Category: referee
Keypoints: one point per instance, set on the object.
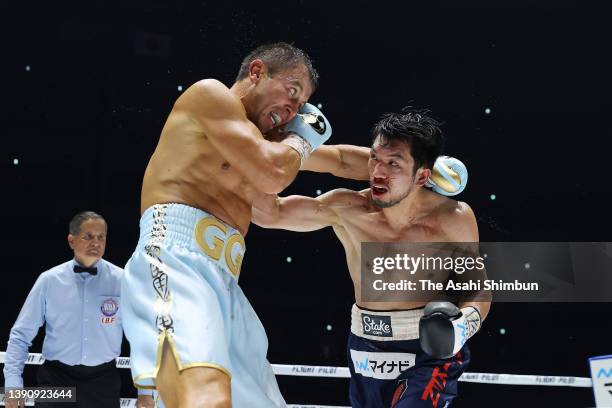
(79, 302)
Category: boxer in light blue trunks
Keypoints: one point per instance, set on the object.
(193, 334)
(184, 279)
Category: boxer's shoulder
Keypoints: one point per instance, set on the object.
(458, 221)
(446, 208)
(208, 86)
(458, 210)
(211, 96)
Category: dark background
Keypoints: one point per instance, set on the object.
(87, 87)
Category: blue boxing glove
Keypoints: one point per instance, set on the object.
(449, 176)
(307, 131)
(444, 328)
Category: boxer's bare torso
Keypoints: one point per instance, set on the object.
(361, 221)
(429, 217)
(185, 168)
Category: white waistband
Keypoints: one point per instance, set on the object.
(385, 325)
(194, 229)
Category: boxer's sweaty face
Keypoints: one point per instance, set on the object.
(89, 244)
(280, 96)
(391, 172)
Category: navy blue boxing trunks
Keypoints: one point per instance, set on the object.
(390, 370)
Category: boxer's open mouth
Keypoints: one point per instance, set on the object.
(379, 189)
(276, 119)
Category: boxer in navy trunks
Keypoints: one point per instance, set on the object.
(394, 371)
(408, 352)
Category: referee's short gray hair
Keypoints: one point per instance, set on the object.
(75, 223)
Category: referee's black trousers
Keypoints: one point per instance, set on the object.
(96, 387)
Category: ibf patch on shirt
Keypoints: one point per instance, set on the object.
(109, 309)
(376, 325)
(382, 366)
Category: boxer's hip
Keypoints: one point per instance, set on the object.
(167, 225)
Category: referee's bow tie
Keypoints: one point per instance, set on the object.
(92, 269)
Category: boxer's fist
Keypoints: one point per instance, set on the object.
(307, 131)
(449, 176)
(444, 328)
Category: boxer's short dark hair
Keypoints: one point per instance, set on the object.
(279, 57)
(74, 227)
(415, 127)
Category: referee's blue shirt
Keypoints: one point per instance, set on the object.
(82, 313)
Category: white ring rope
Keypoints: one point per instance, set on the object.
(131, 403)
(343, 372)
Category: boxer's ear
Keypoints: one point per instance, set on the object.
(257, 70)
(421, 176)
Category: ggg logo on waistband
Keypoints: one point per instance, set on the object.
(214, 240)
(109, 309)
(375, 325)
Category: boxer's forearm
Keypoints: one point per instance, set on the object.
(345, 161)
(294, 213)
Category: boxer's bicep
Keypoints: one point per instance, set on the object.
(269, 167)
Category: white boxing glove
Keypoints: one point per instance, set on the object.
(449, 176)
(308, 130)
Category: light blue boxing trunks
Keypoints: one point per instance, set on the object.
(181, 285)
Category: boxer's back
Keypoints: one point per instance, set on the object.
(185, 168)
